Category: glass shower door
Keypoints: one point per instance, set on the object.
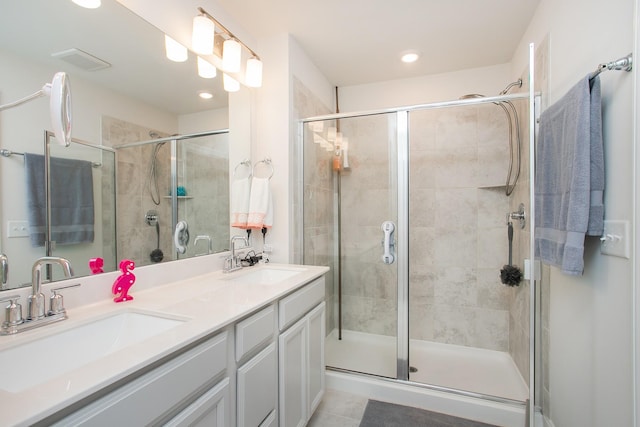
(202, 194)
(359, 173)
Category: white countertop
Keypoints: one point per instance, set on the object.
(208, 302)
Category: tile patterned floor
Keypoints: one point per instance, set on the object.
(339, 409)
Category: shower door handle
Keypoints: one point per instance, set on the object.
(388, 243)
(181, 236)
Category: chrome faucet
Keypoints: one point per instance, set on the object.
(207, 239)
(232, 263)
(36, 316)
(36, 305)
(4, 270)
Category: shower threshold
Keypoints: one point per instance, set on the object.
(474, 370)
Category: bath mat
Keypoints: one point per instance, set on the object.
(383, 414)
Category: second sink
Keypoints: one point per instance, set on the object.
(65, 351)
(265, 275)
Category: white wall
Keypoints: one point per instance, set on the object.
(590, 359)
(204, 120)
(421, 90)
(275, 129)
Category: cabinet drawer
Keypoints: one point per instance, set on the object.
(255, 330)
(158, 392)
(300, 302)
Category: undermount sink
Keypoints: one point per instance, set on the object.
(62, 352)
(265, 275)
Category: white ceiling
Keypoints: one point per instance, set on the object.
(360, 41)
(351, 41)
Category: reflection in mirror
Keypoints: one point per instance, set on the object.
(148, 211)
(81, 205)
(137, 91)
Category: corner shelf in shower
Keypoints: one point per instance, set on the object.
(179, 197)
(492, 187)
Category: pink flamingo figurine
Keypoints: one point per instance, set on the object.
(96, 264)
(124, 281)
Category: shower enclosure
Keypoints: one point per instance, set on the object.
(180, 183)
(408, 208)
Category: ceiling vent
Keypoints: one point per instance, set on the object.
(81, 59)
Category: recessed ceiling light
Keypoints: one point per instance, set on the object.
(205, 95)
(409, 57)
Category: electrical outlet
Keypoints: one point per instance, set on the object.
(615, 239)
(17, 228)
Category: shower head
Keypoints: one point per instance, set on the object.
(153, 134)
(510, 85)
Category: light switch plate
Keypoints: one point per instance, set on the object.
(615, 239)
(17, 228)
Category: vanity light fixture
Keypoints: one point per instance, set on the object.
(232, 48)
(88, 4)
(230, 84)
(202, 35)
(206, 70)
(174, 50)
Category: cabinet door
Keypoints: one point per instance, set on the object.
(293, 373)
(315, 339)
(209, 410)
(257, 382)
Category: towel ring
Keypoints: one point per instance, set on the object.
(267, 162)
(245, 163)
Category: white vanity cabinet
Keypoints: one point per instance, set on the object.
(262, 370)
(165, 392)
(257, 379)
(301, 354)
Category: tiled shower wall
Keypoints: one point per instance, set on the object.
(136, 239)
(458, 166)
(458, 236)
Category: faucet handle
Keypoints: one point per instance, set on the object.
(56, 302)
(13, 312)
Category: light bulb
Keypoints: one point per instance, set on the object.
(205, 69)
(254, 73)
(231, 56)
(174, 50)
(331, 133)
(202, 35)
(230, 84)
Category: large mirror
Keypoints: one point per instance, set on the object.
(124, 91)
